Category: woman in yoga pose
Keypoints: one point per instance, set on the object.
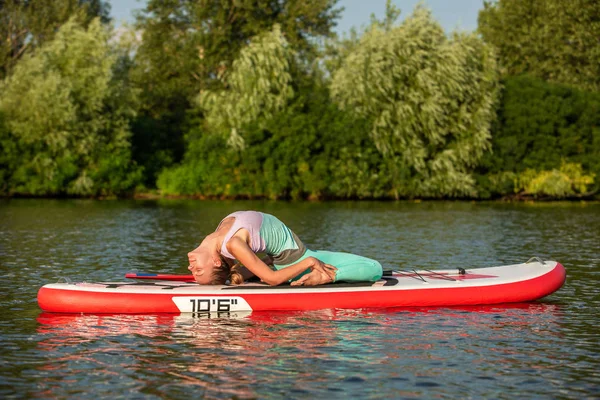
(230, 254)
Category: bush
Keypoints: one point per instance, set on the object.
(540, 126)
(569, 180)
(311, 149)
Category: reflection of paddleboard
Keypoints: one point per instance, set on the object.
(506, 284)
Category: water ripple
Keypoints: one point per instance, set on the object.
(546, 349)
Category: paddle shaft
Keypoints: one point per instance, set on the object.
(185, 278)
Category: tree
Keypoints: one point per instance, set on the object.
(188, 45)
(283, 143)
(27, 25)
(337, 48)
(430, 99)
(67, 118)
(308, 149)
(554, 40)
(256, 87)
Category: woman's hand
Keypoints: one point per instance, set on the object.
(321, 273)
(326, 269)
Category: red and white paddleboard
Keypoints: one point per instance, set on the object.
(506, 284)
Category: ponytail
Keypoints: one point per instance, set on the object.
(224, 273)
(235, 276)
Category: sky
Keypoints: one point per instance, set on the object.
(451, 14)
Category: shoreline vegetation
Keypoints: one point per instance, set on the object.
(155, 195)
(222, 101)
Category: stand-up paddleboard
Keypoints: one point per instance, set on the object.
(506, 284)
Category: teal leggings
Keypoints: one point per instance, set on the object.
(350, 267)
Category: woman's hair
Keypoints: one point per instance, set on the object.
(226, 272)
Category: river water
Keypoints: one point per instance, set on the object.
(546, 349)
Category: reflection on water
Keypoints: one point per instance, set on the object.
(247, 355)
(547, 349)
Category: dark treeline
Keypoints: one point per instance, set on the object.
(260, 99)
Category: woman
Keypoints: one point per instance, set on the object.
(243, 234)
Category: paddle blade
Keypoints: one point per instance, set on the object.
(161, 277)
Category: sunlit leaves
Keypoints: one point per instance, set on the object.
(430, 98)
(27, 25)
(67, 116)
(257, 86)
(555, 40)
(568, 180)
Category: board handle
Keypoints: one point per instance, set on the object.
(536, 259)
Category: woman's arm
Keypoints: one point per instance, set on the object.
(242, 252)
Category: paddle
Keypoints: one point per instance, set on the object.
(162, 277)
(186, 278)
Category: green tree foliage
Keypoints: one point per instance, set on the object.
(337, 49)
(430, 98)
(27, 25)
(257, 86)
(67, 118)
(309, 149)
(540, 125)
(294, 147)
(6, 148)
(555, 40)
(188, 45)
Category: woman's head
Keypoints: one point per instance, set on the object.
(211, 268)
(203, 263)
